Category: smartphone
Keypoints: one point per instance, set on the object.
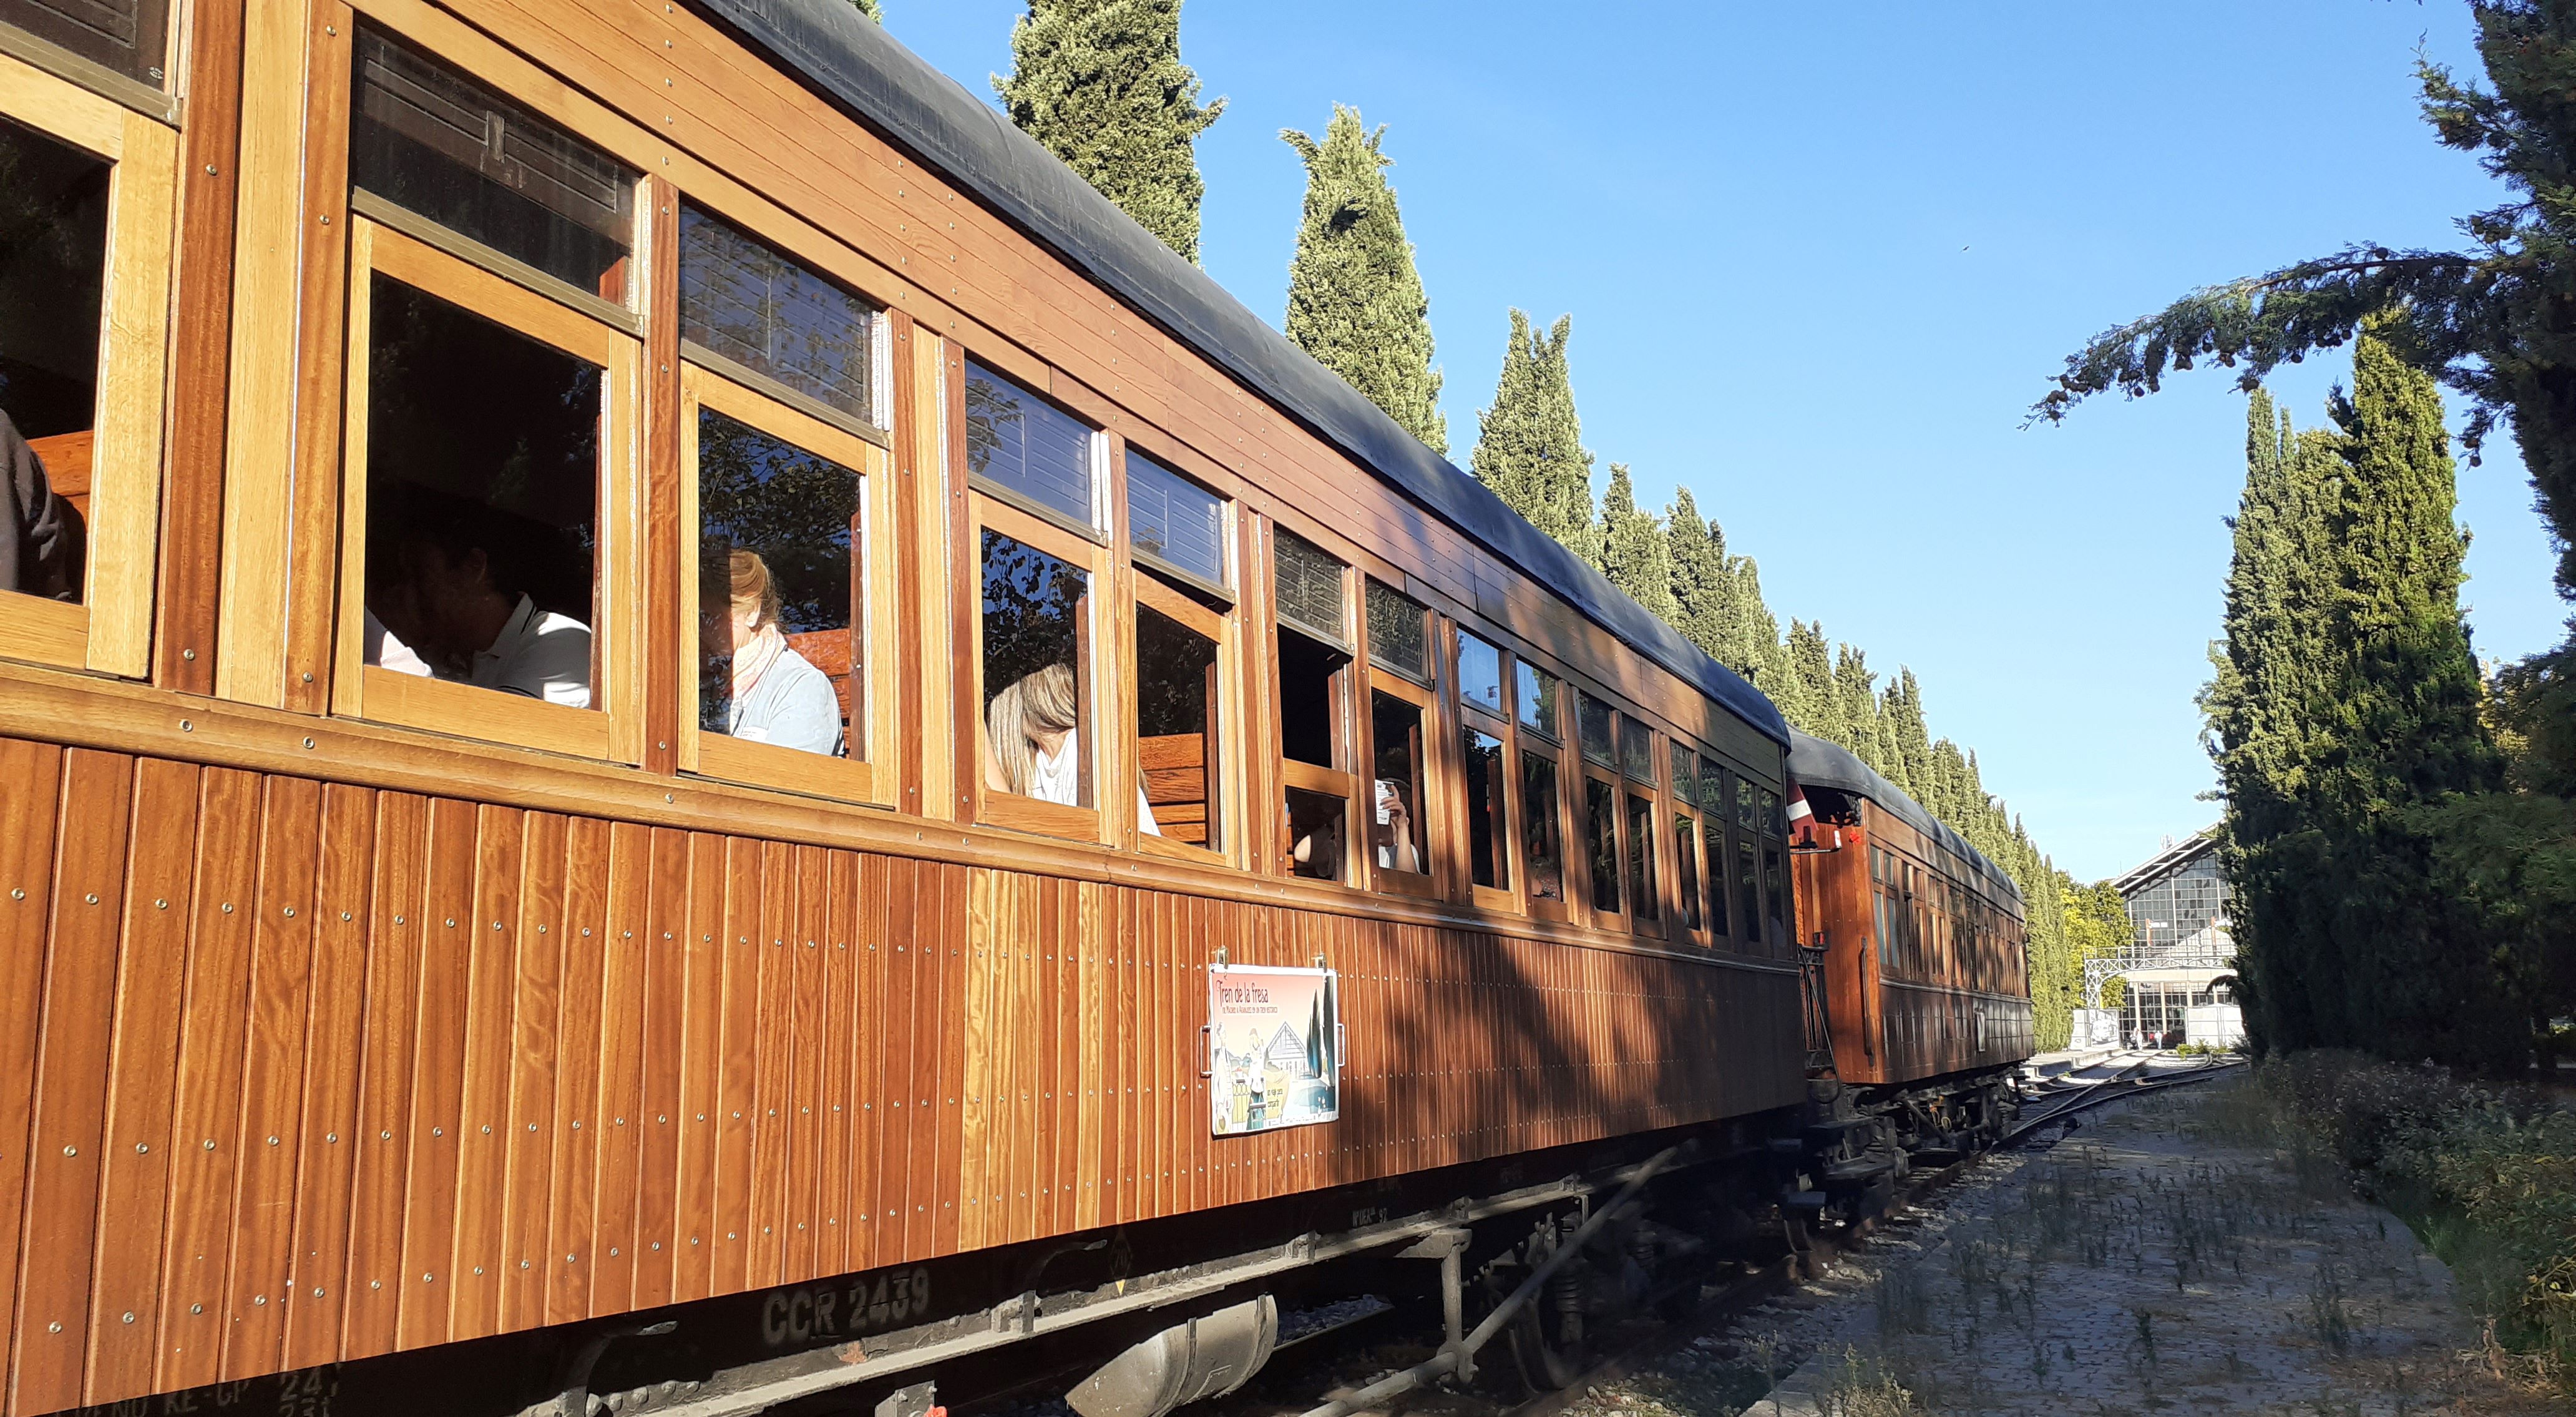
(1390, 795)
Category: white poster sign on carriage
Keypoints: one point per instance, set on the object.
(1274, 1041)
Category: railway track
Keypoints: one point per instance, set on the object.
(1345, 1349)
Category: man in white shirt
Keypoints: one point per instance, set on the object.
(446, 601)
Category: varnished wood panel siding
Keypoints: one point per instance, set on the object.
(267, 1056)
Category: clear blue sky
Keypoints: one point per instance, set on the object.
(1820, 261)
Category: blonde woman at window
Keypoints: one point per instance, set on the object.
(1030, 731)
(777, 695)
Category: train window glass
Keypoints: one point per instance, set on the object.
(1488, 832)
(1037, 700)
(766, 315)
(1601, 842)
(1480, 674)
(483, 460)
(1536, 691)
(1176, 728)
(1712, 792)
(1686, 868)
(1748, 893)
(1542, 844)
(1642, 892)
(780, 620)
(1599, 724)
(128, 36)
(1395, 822)
(1773, 824)
(1399, 630)
(53, 284)
(1315, 834)
(1886, 952)
(1636, 750)
(1685, 773)
(1030, 451)
(1310, 589)
(1746, 809)
(1176, 525)
(433, 142)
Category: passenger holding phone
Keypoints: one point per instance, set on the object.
(1393, 833)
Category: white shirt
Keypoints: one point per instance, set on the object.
(540, 654)
(386, 652)
(1058, 775)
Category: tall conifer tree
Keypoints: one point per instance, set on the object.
(871, 9)
(1529, 445)
(1636, 555)
(1355, 300)
(1703, 590)
(1102, 85)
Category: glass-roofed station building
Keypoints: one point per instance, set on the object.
(2181, 962)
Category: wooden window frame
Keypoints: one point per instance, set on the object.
(1504, 728)
(1586, 773)
(1679, 807)
(988, 512)
(110, 630)
(1528, 740)
(871, 779)
(1219, 627)
(1632, 861)
(613, 728)
(1349, 691)
(1429, 795)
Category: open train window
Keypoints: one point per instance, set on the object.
(1542, 827)
(1644, 891)
(1486, 737)
(785, 475)
(1399, 843)
(491, 551)
(84, 294)
(1489, 865)
(1179, 752)
(1311, 598)
(130, 38)
(1714, 829)
(1686, 836)
(1033, 652)
(1601, 842)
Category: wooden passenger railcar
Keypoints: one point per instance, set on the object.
(348, 1012)
(1927, 981)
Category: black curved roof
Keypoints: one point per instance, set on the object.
(852, 61)
(1818, 763)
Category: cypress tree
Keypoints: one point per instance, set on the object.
(1910, 738)
(1818, 707)
(871, 9)
(1529, 445)
(2399, 729)
(1855, 688)
(1636, 555)
(1756, 634)
(1703, 589)
(1102, 85)
(1355, 301)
